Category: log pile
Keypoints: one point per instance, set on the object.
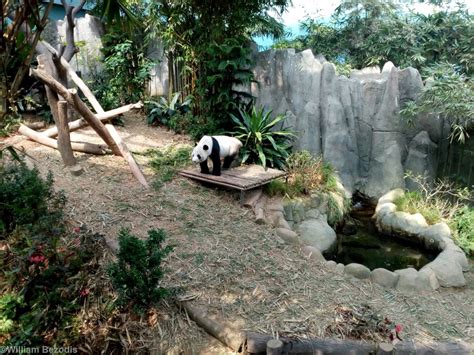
(51, 71)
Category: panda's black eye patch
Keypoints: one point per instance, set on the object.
(199, 157)
(205, 147)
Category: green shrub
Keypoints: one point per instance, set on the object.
(305, 175)
(463, 226)
(26, 199)
(137, 274)
(163, 112)
(414, 202)
(442, 201)
(126, 71)
(47, 280)
(165, 162)
(262, 142)
(448, 94)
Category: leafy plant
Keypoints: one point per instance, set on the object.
(137, 274)
(162, 111)
(45, 269)
(226, 71)
(27, 199)
(442, 201)
(371, 32)
(262, 142)
(165, 162)
(448, 94)
(126, 71)
(462, 224)
(306, 174)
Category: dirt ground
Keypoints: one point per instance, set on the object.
(236, 270)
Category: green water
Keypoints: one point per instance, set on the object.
(374, 250)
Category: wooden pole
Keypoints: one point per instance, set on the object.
(77, 124)
(49, 142)
(127, 155)
(64, 141)
(274, 347)
(73, 99)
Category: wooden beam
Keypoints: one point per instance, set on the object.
(73, 99)
(127, 155)
(52, 143)
(78, 124)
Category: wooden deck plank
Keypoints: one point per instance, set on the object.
(241, 178)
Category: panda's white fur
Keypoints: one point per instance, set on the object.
(216, 148)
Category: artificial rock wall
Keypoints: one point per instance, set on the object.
(354, 123)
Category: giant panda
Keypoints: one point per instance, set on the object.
(216, 148)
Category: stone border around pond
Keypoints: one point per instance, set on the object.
(446, 270)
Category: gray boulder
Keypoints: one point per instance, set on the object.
(407, 280)
(357, 270)
(313, 254)
(384, 277)
(448, 273)
(287, 235)
(317, 233)
(339, 269)
(330, 265)
(426, 280)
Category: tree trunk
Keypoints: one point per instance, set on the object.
(64, 141)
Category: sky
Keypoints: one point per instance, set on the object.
(322, 9)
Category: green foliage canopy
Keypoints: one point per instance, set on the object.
(371, 32)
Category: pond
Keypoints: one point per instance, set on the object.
(363, 244)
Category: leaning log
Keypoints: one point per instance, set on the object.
(77, 124)
(49, 142)
(74, 77)
(127, 155)
(71, 96)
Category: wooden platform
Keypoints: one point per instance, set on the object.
(242, 178)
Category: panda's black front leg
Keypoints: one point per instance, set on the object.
(204, 167)
(216, 166)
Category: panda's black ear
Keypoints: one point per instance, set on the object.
(205, 147)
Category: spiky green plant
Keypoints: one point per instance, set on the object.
(262, 142)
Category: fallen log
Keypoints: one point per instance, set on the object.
(226, 335)
(71, 96)
(77, 124)
(255, 343)
(52, 143)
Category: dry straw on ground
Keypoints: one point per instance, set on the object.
(236, 270)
